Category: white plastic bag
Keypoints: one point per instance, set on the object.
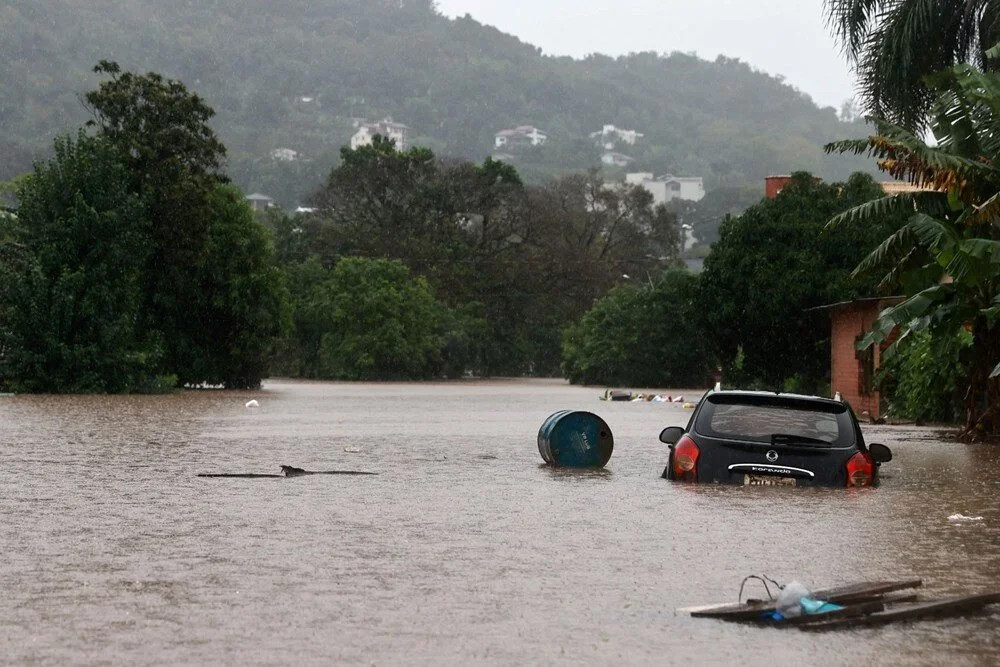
(789, 599)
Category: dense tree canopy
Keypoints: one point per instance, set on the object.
(773, 264)
(514, 263)
(128, 265)
(383, 325)
(641, 336)
(71, 265)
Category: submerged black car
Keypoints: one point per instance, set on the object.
(761, 438)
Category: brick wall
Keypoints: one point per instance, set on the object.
(774, 184)
(847, 322)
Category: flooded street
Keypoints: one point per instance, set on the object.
(464, 547)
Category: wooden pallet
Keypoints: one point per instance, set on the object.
(961, 605)
(863, 605)
(844, 595)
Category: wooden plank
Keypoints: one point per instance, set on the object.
(955, 606)
(845, 594)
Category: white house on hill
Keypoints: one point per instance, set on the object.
(259, 202)
(522, 135)
(366, 132)
(610, 136)
(668, 187)
(616, 159)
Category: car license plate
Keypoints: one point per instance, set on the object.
(767, 480)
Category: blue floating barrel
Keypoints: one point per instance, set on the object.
(575, 439)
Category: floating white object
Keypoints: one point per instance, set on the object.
(352, 450)
(253, 404)
(962, 517)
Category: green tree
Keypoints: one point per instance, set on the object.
(771, 265)
(894, 45)
(584, 239)
(242, 305)
(210, 295)
(640, 336)
(298, 352)
(172, 157)
(383, 324)
(946, 258)
(71, 264)
(384, 203)
(924, 379)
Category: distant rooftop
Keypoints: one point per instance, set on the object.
(899, 187)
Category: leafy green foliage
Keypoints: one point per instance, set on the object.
(383, 325)
(895, 44)
(923, 380)
(526, 260)
(947, 256)
(772, 265)
(640, 336)
(70, 263)
(242, 303)
(128, 266)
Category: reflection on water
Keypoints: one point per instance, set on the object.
(462, 549)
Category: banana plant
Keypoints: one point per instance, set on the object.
(946, 258)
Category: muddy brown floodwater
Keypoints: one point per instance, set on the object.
(464, 549)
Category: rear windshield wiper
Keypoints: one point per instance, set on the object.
(789, 439)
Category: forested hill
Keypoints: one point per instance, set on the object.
(293, 74)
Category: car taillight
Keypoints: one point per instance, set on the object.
(860, 470)
(686, 459)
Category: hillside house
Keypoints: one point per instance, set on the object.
(613, 159)
(519, 137)
(284, 155)
(365, 133)
(259, 202)
(669, 187)
(610, 136)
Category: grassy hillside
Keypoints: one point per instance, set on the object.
(293, 75)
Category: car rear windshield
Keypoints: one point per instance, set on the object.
(776, 419)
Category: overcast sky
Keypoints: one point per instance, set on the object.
(786, 37)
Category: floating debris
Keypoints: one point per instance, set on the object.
(962, 517)
(252, 404)
(852, 605)
(286, 471)
(634, 397)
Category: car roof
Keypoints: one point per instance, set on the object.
(773, 394)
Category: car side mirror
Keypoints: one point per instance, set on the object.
(671, 434)
(880, 453)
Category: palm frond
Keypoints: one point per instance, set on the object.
(932, 232)
(906, 315)
(905, 157)
(913, 259)
(872, 211)
(886, 252)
